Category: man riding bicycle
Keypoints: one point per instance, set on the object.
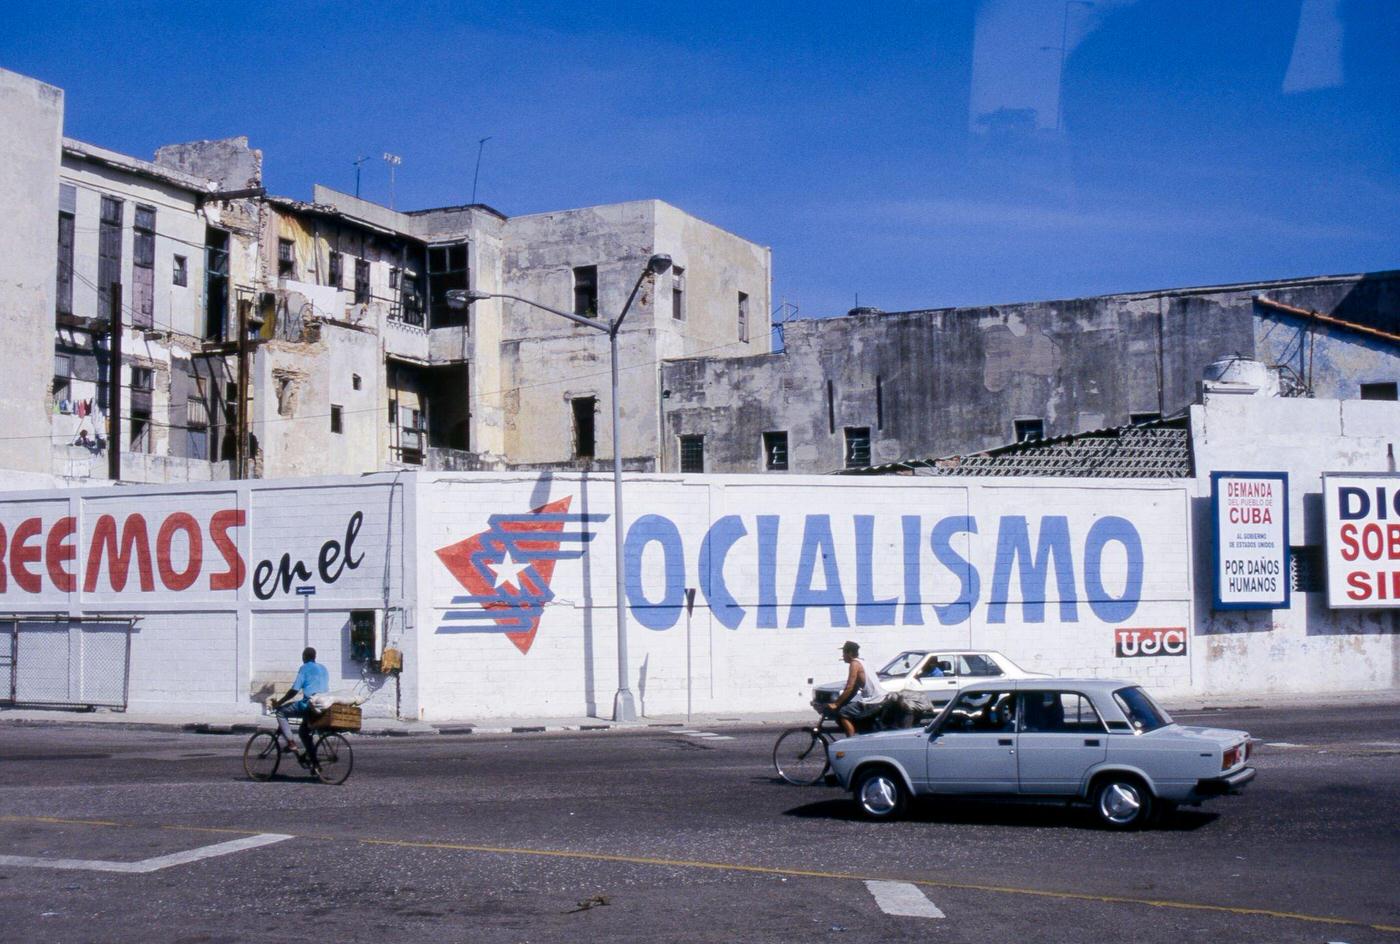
(862, 696)
(312, 679)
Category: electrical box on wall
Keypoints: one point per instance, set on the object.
(364, 635)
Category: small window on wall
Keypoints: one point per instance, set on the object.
(1379, 391)
(1137, 419)
(743, 316)
(335, 272)
(585, 409)
(142, 378)
(1029, 430)
(857, 447)
(62, 378)
(355, 381)
(692, 453)
(286, 259)
(140, 430)
(678, 293)
(180, 271)
(586, 291)
(336, 421)
(775, 451)
(361, 281)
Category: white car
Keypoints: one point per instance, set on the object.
(936, 674)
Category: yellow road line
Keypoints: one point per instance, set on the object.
(767, 870)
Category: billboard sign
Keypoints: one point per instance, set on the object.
(1362, 512)
(1250, 515)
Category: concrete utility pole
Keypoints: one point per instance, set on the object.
(624, 706)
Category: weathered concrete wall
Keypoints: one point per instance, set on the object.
(1305, 647)
(950, 381)
(31, 114)
(227, 161)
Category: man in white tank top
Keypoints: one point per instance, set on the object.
(862, 695)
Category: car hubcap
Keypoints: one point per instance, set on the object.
(1120, 802)
(878, 796)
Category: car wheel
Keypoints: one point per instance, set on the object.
(880, 794)
(1122, 802)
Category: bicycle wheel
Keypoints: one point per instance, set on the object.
(799, 756)
(261, 756)
(333, 758)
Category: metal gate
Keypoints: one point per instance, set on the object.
(61, 662)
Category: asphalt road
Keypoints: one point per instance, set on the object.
(664, 836)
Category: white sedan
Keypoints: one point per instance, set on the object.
(937, 674)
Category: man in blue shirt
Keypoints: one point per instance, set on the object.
(312, 679)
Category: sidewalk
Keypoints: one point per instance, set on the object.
(391, 727)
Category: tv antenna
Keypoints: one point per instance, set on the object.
(358, 162)
(480, 146)
(393, 160)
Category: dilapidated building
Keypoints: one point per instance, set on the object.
(263, 336)
(876, 387)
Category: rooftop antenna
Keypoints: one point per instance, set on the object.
(480, 146)
(357, 162)
(393, 160)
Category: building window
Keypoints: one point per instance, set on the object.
(743, 316)
(337, 424)
(586, 291)
(196, 427)
(361, 281)
(678, 293)
(142, 378)
(775, 451)
(215, 282)
(140, 430)
(1029, 430)
(143, 273)
(393, 412)
(1378, 391)
(180, 271)
(67, 214)
(286, 259)
(335, 272)
(63, 381)
(447, 271)
(879, 403)
(1137, 419)
(109, 254)
(692, 453)
(585, 444)
(857, 447)
(355, 381)
(394, 278)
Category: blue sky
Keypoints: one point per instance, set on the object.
(913, 154)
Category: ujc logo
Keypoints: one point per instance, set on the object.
(507, 569)
(1136, 643)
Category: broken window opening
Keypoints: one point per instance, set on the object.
(140, 440)
(215, 282)
(361, 282)
(143, 272)
(286, 259)
(678, 293)
(180, 271)
(586, 291)
(857, 447)
(109, 254)
(336, 425)
(775, 451)
(335, 271)
(585, 409)
(447, 271)
(1030, 429)
(66, 227)
(1379, 391)
(744, 317)
(692, 453)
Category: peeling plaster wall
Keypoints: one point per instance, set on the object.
(953, 381)
(31, 114)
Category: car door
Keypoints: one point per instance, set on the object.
(940, 688)
(1060, 739)
(973, 749)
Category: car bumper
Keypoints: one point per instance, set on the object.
(1224, 786)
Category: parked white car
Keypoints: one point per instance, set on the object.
(937, 674)
(1098, 741)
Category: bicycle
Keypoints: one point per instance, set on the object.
(330, 762)
(800, 755)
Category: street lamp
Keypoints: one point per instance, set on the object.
(624, 707)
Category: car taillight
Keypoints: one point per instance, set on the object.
(1230, 758)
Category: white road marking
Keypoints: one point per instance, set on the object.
(710, 735)
(1283, 744)
(147, 865)
(903, 900)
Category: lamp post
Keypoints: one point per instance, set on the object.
(624, 706)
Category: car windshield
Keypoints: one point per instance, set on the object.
(1141, 710)
(902, 664)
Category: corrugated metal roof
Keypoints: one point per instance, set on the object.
(1157, 450)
